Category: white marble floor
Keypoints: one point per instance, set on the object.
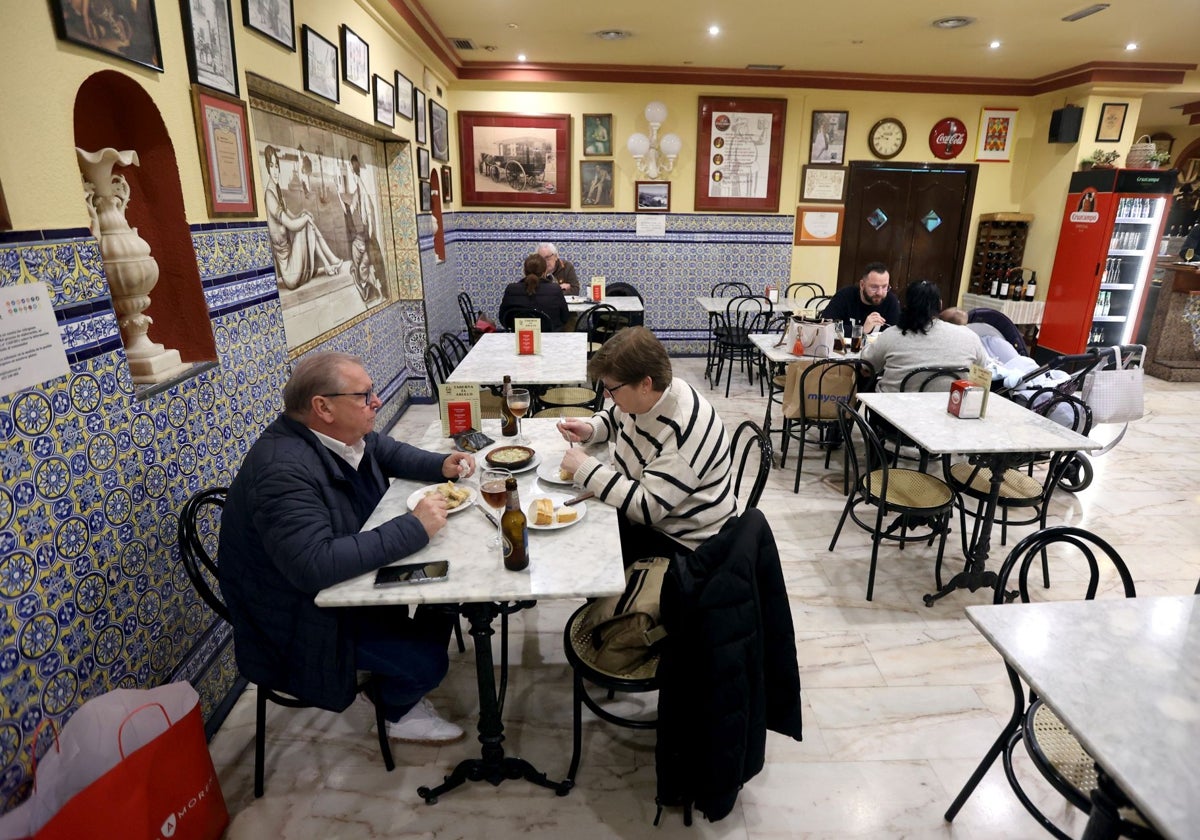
(900, 700)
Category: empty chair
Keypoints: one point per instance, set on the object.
(817, 304)
(622, 289)
(470, 315)
(729, 288)
(510, 315)
(750, 448)
(804, 291)
(812, 395)
(932, 378)
(454, 348)
(572, 396)
(440, 361)
(742, 316)
(600, 322)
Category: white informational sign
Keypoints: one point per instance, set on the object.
(740, 155)
(31, 349)
(649, 225)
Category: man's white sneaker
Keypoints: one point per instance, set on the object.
(422, 725)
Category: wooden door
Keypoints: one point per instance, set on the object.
(913, 218)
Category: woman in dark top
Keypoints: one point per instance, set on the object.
(536, 291)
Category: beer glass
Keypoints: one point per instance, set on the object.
(857, 339)
(518, 404)
(492, 488)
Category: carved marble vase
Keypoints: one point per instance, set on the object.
(132, 272)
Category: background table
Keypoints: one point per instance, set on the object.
(1123, 674)
(713, 305)
(621, 303)
(563, 360)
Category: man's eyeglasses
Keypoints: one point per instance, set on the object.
(612, 392)
(883, 288)
(366, 395)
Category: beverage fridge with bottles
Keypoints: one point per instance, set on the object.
(1107, 246)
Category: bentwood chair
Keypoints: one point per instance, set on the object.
(743, 315)
(623, 289)
(508, 316)
(470, 316)
(917, 499)
(925, 378)
(817, 304)
(812, 393)
(729, 288)
(750, 447)
(199, 524)
(440, 361)
(1054, 751)
(804, 291)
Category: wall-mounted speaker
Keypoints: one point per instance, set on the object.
(1065, 123)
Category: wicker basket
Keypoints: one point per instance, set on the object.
(1139, 153)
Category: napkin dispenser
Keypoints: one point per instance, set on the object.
(966, 400)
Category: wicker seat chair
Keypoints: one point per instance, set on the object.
(729, 288)
(743, 315)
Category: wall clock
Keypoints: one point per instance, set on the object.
(887, 138)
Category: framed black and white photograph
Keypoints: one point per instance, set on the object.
(404, 96)
(419, 115)
(447, 188)
(423, 163)
(385, 101)
(508, 159)
(596, 183)
(652, 196)
(208, 32)
(439, 131)
(828, 142)
(126, 30)
(426, 197)
(275, 19)
(356, 61)
(320, 64)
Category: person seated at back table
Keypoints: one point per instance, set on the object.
(671, 477)
(559, 270)
(291, 527)
(871, 303)
(921, 339)
(536, 291)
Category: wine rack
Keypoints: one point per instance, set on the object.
(999, 248)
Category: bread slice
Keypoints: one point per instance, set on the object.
(565, 475)
(543, 513)
(565, 514)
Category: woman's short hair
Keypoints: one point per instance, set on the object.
(922, 303)
(630, 356)
(320, 373)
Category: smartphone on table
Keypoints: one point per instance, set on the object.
(412, 573)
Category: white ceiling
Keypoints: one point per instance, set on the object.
(891, 37)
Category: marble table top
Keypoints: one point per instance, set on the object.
(768, 343)
(1124, 675)
(713, 305)
(580, 560)
(563, 360)
(621, 303)
(1007, 427)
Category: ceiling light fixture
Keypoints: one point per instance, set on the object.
(1130, 47)
(995, 45)
(1082, 13)
(520, 56)
(714, 30)
(613, 34)
(953, 22)
(653, 156)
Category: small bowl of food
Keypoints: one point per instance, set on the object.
(510, 457)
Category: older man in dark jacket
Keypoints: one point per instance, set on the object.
(291, 527)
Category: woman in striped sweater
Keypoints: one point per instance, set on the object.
(671, 468)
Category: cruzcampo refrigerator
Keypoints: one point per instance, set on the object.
(1107, 245)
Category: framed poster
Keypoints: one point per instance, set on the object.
(126, 30)
(404, 96)
(320, 58)
(997, 133)
(426, 197)
(1112, 120)
(819, 225)
(224, 153)
(514, 160)
(419, 115)
(275, 19)
(208, 34)
(739, 150)
(828, 141)
(447, 188)
(385, 101)
(439, 131)
(597, 135)
(356, 61)
(422, 163)
(821, 182)
(652, 196)
(596, 183)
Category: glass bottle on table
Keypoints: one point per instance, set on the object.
(514, 529)
(508, 421)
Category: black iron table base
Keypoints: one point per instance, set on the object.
(976, 574)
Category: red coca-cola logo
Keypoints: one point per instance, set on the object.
(948, 138)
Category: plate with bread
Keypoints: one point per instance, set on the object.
(458, 496)
(548, 513)
(548, 471)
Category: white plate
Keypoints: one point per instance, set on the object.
(558, 499)
(549, 472)
(418, 495)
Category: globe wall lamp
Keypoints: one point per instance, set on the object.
(654, 156)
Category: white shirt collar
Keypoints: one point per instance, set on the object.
(352, 455)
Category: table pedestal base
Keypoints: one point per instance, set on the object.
(492, 765)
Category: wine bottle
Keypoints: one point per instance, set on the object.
(995, 289)
(516, 530)
(508, 420)
(1004, 288)
(1031, 286)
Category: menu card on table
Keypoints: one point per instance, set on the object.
(529, 336)
(460, 407)
(596, 290)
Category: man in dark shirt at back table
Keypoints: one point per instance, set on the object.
(871, 303)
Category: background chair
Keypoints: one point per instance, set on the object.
(198, 529)
(750, 447)
(454, 348)
(571, 396)
(819, 388)
(470, 315)
(508, 316)
(622, 289)
(729, 288)
(804, 291)
(440, 361)
(600, 322)
(743, 315)
(1054, 751)
(817, 304)
(915, 498)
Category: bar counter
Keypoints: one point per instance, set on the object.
(1170, 348)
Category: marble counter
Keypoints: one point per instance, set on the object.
(1171, 352)
(563, 360)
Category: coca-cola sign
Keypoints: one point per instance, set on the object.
(948, 138)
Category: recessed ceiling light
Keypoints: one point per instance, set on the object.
(714, 30)
(994, 45)
(514, 26)
(953, 22)
(613, 34)
(521, 57)
(1082, 13)
(1131, 46)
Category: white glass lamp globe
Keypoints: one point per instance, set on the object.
(638, 144)
(670, 145)
(656, 113)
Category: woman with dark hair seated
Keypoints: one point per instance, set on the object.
(921, 339)
(536, 291)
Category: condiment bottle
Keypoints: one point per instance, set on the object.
(515, 529)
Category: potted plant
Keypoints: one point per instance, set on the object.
(1159, 159)
(1099, 159)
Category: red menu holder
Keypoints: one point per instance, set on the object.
(525, 342)
(459, 417)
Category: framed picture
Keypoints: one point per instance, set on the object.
(127, 30)
(404, 96)
(422, 163)
(447, 185)
(597, 135)
(997, 133)
(596, 183)
(5, 217)
(1112, 120)
(356, 61)
(208, 34)
(819, 225)
(224, 142)
(514, 160)
(652, 196)
(739, 153)
(426, 197)
(439, 131)
(274, 18)
(385, 101)
(822, 182)
(828, 141)
(420, 125)
(320, 64)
